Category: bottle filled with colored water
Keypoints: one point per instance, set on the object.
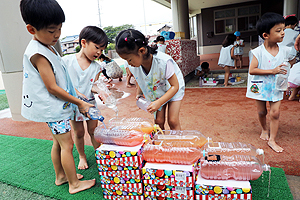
(237, 167)
(281, 80)
(134, 123)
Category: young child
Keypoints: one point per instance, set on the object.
(161, 46)
(157, 75)
(290, 34)
(294, 81)
(47, 88)
(225, 60)
(84, 71)
(265, 62)
(238, 49)
(202, 70)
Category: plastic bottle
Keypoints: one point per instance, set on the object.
(143, 103)
(238, 167)
(200, 82)
(95, 114)
(174, 155)
(107, 97)
(138, 124)
(231, 148)
(118, 137)
(177, 138)
(281, 80)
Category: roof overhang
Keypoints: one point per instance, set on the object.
(195, 6)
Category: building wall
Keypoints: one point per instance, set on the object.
(206, 19)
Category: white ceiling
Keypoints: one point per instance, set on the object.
(195, 6)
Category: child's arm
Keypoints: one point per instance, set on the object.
(155, 105)
(96, 79)
(254, 70)
(47, 75)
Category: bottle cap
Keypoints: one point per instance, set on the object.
(101, 118)
(260, 151)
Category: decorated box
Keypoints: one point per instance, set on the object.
(123, 189)
(169, 180)
(118, 180)
(128, 197)
(222, 189)
(119, 155)
(135, 174)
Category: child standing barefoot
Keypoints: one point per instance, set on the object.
(238, 49)
(157, 75)
(84, 71)
(294, 81)
(47, 88)
(265, 62)
(225, 60)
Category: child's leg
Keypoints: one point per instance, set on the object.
(235, 61)
(294, 93)
(91, 125)
(241, 60)
(173, 115)
(128, 77)
(67, 162)
(161, 117)
(79, 131)
(226, 78)
(274, 124)
(262, 117)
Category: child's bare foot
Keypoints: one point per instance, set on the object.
(64, 180)
(109, 80)
(82, 185)
(130, 85)
(83, 163)
(264, 135)
(291, 98)
(275, 146)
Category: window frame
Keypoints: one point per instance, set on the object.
(236, 17)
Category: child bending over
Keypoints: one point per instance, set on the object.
(157, 75)
(84, 71)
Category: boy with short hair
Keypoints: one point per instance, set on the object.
(265, 62)
(47, 88)
(202, 70)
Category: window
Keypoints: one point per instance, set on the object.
(236, 19)
(193, 25)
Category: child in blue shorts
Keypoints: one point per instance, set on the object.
(47, 89)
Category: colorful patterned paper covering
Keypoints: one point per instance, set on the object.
(224, 197)
(184, 53)
(187, 194)
(124, 197)
(209, 189)
(118, 180)
(134, 174)
(168, 177)
(114, 168)
(121, 158)
(128, 188)
(158, 198)
(160, 188)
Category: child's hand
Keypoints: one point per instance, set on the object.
(279, 70)
(154, 106)
(84, 108)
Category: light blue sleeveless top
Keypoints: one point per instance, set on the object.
(37, 103)
(154, 85)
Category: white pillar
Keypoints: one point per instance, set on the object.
(180, 15)
(290, 7)
(13, 42)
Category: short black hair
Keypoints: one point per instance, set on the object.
(268, 21)
(93, 34)
(160, 38)
(291, 20)
(205, 65)
(41, 13)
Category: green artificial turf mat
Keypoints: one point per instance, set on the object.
(26, 163)
(3, 101)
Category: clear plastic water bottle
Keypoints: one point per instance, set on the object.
(281, 80)
(200, 81)
(107, 97)
(143, 103)
(231, 148)
(238, 167)
(95, 114)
